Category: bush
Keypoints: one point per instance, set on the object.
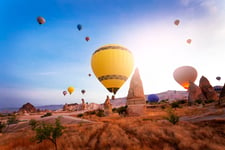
(80, 115)
(2, 126)
(175, 105)
(172, 117)
(198, 101)
(100, 113)
(209, 101)
(46, 115)
(12, 120)
(122, 110)
(33, 123)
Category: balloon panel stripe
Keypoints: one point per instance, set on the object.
(109, 77)
(111, 47)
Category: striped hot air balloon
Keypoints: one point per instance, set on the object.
(112, 64)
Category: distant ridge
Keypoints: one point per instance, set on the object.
(44, 107)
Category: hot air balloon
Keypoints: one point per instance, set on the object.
(177, 22)
(41, 20)
(83, 91)
(89, 74)
(112, 64)
(79, 27)
(185, 74)
(70, 89)
(64, 93)
(87, 38)
(218, 78)
(153, 98)
(189, 41)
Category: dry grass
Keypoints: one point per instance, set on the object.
(149, 132)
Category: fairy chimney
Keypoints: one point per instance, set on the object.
(195, 93)
(107, 107)
(136, 98)
(207, 89)
(83, 104)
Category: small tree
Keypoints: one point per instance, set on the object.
(49, 132)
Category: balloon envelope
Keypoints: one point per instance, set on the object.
(189, 41)
(177, 22)
(112, 64)
(70, 89)
(83, 91)
(64, 93)
(79, 27)
(89, 74)
(87, 38)
(218, 78)
(153, 98)
(185, 74)
(41, 20)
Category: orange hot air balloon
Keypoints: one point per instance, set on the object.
(189, 41)
(41, 20)
(177, 22)
(185, 74)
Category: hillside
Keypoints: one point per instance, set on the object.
(199, 128)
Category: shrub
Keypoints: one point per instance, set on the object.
(100, 113)
(198, 101)
(209, 101)
(80, 115)
(2, 126)
(33, 123)
(46, 115)
(12, 120)
(172, 117)
(175, 105)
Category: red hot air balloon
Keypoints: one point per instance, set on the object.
(83, 91)
(87, 38)
(64, 93)
(189, 41)
(41, 20)
(177, 22)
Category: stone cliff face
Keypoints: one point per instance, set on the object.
(27, 108)
(207, 89)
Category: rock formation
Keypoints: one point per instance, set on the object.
(107, 107)
(195, 93)
(207, 89)
(27, 108)
(136, 99)
(222, 95)
(83, 104)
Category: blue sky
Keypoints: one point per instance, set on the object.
(38, 62)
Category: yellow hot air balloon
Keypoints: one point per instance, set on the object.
(112, 64)
(70, 89)
(185, 74)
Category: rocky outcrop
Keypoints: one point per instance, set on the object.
(136, 103)
(222, 95)
(207, 89)
(107, 107)
(83, 104)
(195, 93)
(27, 108)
